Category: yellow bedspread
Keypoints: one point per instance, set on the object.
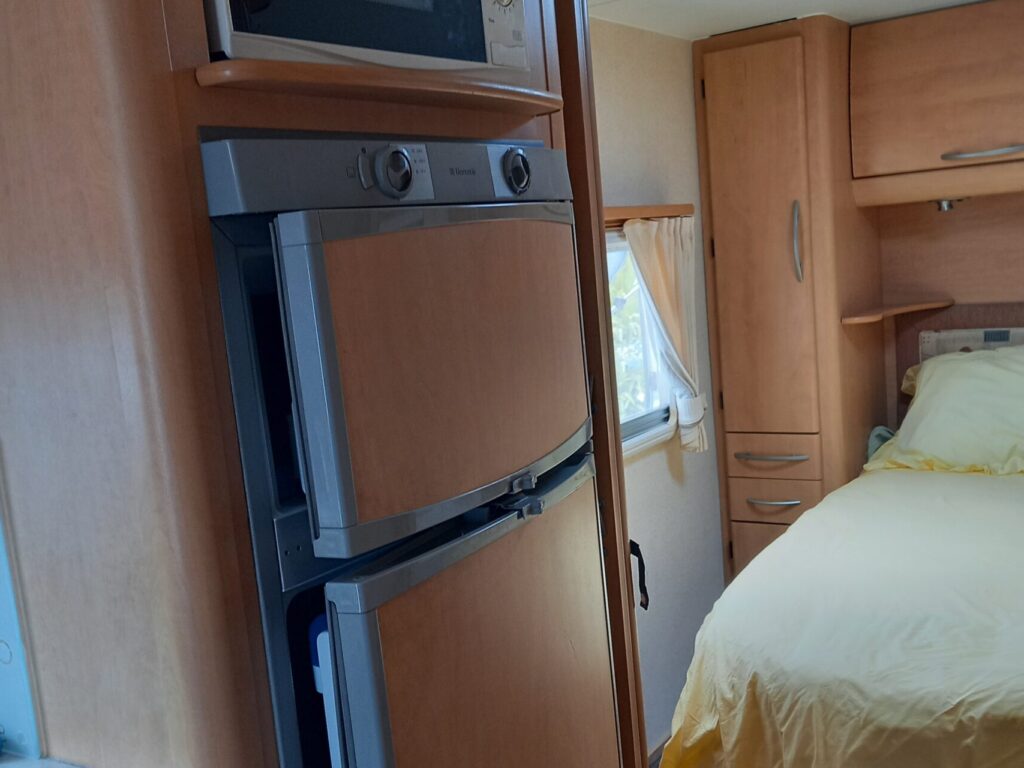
(885, 629)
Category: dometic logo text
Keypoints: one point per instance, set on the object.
(462, 171)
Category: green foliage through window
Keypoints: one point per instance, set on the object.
(634, 334)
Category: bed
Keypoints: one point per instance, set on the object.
(885, 629)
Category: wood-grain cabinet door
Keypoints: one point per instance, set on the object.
(500, 658)
(757, 153)
(434, 359)
(750, 539)
(938, 90)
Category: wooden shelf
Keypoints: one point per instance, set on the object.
(615, 217)
(376, 84)
(877, 314)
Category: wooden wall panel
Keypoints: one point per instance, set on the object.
(135, 563)
(973, 254)
(851, 366)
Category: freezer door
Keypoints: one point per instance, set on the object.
(437, 360)
(489, 650)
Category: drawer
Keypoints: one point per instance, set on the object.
(784, 457)
(748, 539)
(756, 500)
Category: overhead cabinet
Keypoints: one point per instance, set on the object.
(940, 91)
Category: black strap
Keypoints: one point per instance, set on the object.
(634, 550)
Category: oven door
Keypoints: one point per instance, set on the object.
(436, 357)
(489, 647)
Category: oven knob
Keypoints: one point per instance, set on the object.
(517, 170)
(393, 171)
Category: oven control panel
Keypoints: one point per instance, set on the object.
(271, 175)
(399, 171)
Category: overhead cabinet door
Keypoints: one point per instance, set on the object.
(757, 146)
(490, 649)
(938, 90)
(437, 358)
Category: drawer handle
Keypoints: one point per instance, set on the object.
(748, 456)
(767, 503)
(1013, 149)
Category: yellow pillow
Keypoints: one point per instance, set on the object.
(909, 385)
(967, 416)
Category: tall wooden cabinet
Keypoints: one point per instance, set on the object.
(787, 254)
(759, 204)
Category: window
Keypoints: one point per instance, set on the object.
(643, 382)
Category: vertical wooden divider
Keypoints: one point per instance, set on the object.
(584, 169)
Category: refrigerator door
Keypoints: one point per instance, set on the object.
(490, 649)
(437, 360)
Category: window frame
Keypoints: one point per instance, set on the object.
(640, 425)
(659, 423)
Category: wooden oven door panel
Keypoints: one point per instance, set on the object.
(446, 359)
(500, 659)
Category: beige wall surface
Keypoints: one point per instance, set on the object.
(648, 148)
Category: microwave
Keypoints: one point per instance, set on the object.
(413, 34)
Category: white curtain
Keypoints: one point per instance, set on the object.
(665, 254)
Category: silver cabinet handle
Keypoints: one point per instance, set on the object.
(747, 456)
(1013, 149)
(766, 503)
(798, 262)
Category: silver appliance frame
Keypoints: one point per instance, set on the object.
(251, 178)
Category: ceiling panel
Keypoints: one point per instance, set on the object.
(694, 19)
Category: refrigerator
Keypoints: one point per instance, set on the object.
(405, 346)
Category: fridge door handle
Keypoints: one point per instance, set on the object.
(524, 482)
(563, 483)
(363, 594)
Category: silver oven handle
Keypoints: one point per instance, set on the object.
(780, 457)
(767, 503)
(798, 262)
(1012, 149)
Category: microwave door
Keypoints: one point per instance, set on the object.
(489, 649)
(437, 360)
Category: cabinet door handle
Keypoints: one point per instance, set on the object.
(767, 503)
(748, 456)
(798, 262)
(1012, 149)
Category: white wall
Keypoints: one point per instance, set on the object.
(648, 149)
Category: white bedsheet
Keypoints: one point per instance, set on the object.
(885, 629)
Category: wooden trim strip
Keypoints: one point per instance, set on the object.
(946, 183)
(616, 216)
(376, 84)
